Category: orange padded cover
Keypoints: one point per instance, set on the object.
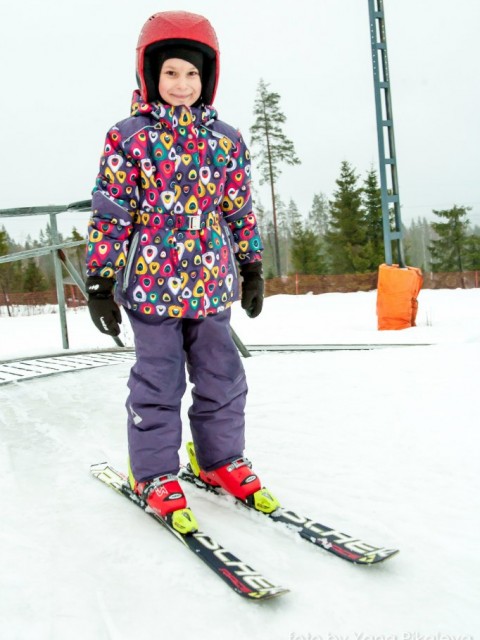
(397, 294)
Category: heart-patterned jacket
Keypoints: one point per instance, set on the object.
(172, 212)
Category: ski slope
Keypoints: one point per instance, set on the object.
(381, 444)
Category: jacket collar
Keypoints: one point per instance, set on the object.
(173, 116)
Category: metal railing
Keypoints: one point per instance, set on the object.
(57, 251)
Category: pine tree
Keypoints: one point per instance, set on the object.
(33, 278)
(45, 262)
(372, 206)
(3, 242)
(10, 272)
(318, 215)
(283, 224)
(416, 240)
(318, 224)
(472, 253)
(268, 257)
(260, 212)
(346, 238)
(266, 232)
(5, 268)
(306, 247)
(450, 248)
(78, 253)
(273, 148)
(295, 227)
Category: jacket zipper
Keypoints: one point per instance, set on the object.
(232, 253)
(130, 258)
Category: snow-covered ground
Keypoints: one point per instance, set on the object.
(382, 444)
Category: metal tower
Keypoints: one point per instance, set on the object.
(392, 224)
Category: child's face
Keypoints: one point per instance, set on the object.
(179, 82)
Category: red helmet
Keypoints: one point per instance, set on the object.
(176, 28)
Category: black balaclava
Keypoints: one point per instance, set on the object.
(193, 56)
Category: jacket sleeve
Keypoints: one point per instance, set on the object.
(237, 205)
(114, 202)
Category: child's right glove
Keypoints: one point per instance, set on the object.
(105, 312)
(252, 288)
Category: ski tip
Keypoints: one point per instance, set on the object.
(98, 467)
(266, 594)
(107, 474)
(377, 556)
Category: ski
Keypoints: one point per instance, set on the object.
(239, 576)
(339, 544)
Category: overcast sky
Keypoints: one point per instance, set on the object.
(67, 74)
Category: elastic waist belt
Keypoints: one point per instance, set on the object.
(182, 222)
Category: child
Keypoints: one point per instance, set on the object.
(171, 219)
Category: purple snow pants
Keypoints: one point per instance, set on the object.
(157, 383)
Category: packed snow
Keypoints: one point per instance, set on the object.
(379, 443)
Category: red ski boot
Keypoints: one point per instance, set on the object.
(237, 478)
(165, 496)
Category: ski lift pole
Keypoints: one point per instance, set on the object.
(57, 265)
(385, 134)
(239, 344)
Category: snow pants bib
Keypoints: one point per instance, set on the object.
(157, 384)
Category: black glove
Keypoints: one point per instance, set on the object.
(103, 309)
(252, 288)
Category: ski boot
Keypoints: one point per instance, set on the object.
(238, 479)
(165, 497)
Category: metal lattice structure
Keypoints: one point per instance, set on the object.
(392, 223)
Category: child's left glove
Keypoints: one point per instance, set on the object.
(105, 312)
(252, 288)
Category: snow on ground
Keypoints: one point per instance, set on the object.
(382, 444)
